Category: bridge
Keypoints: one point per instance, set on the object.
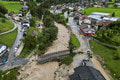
(53, 56)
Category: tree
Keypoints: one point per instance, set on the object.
(34, 11)
(32, 22)
(2, 15)
(39, 12)
(3, 20)
(42, 46)
(113, 14)
(46, 4)
(30, 42)
(60, 19)
(39, 0)
(1, 74)
(3, 9)
(50, 33)
(31, 4)
(42, 43)
(48, 21)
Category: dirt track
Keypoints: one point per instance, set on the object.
(99, 67)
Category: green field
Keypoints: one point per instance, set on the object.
(107, 55)
(8, 39)
(106, 10)
(11, 5)
(68, 59)
(25, 52)
(74, 41)
(5, 26)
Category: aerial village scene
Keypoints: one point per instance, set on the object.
(59, 39)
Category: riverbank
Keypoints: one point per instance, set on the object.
(32, 71)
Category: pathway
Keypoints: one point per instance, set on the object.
(100, 68)
(15, 26)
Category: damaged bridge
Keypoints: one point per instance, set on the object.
(53, 56)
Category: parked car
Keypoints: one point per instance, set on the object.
(89, 54)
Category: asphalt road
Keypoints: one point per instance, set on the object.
(14, 61)
(84, 44)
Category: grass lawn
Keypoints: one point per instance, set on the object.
(8, 39)
(107, 55)
(74, 41)
(106, 10)
(61, 15)
(25, 52)
(12, 5)
(68, 59)
(5, 26)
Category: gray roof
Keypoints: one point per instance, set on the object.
(86, 73)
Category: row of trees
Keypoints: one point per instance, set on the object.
(60, 19)
(110, 34)
(49, 34)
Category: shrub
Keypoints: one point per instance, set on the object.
(2, 15)
(3, 9)
(32, 22)
(3, 20)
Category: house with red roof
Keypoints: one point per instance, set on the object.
(88, 26)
